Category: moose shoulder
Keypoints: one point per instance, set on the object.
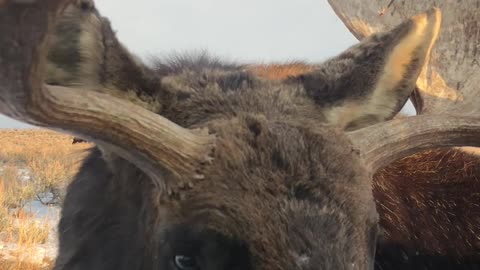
(208, 165)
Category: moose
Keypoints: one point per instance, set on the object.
(76, 140)
(201, 164)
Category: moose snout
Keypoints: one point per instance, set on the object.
(306, 262)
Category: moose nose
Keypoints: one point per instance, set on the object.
(302, 261)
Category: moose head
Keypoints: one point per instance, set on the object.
(201, 164)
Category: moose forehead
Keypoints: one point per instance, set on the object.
(260, 162)
(271, 144)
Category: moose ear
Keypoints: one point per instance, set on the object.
(371, 81)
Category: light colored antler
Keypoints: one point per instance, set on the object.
(448, 89)
(151, 142)
(386, 142)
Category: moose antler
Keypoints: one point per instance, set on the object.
(146, 139)
(386, 142)
(448, 89)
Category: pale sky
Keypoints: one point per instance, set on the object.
(247, 30)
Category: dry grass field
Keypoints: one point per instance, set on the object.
(32, 162)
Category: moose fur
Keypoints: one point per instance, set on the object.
(286, 189)
(428, 207)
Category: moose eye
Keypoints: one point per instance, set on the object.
(185, 262)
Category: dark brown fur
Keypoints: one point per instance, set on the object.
(76, 140)
(429, 211)
(286, 190)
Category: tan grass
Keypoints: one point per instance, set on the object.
(51, 161)
(15, 192)
(50, 172)
(50, 158)
(25, 231)
(4, 215)
(23, 265)
(20, 229)
(23, 145)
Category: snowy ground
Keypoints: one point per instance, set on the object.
(45, 215)
(39, 253)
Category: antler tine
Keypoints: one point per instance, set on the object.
(148, 140)
(386, 142)
(447, 89)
